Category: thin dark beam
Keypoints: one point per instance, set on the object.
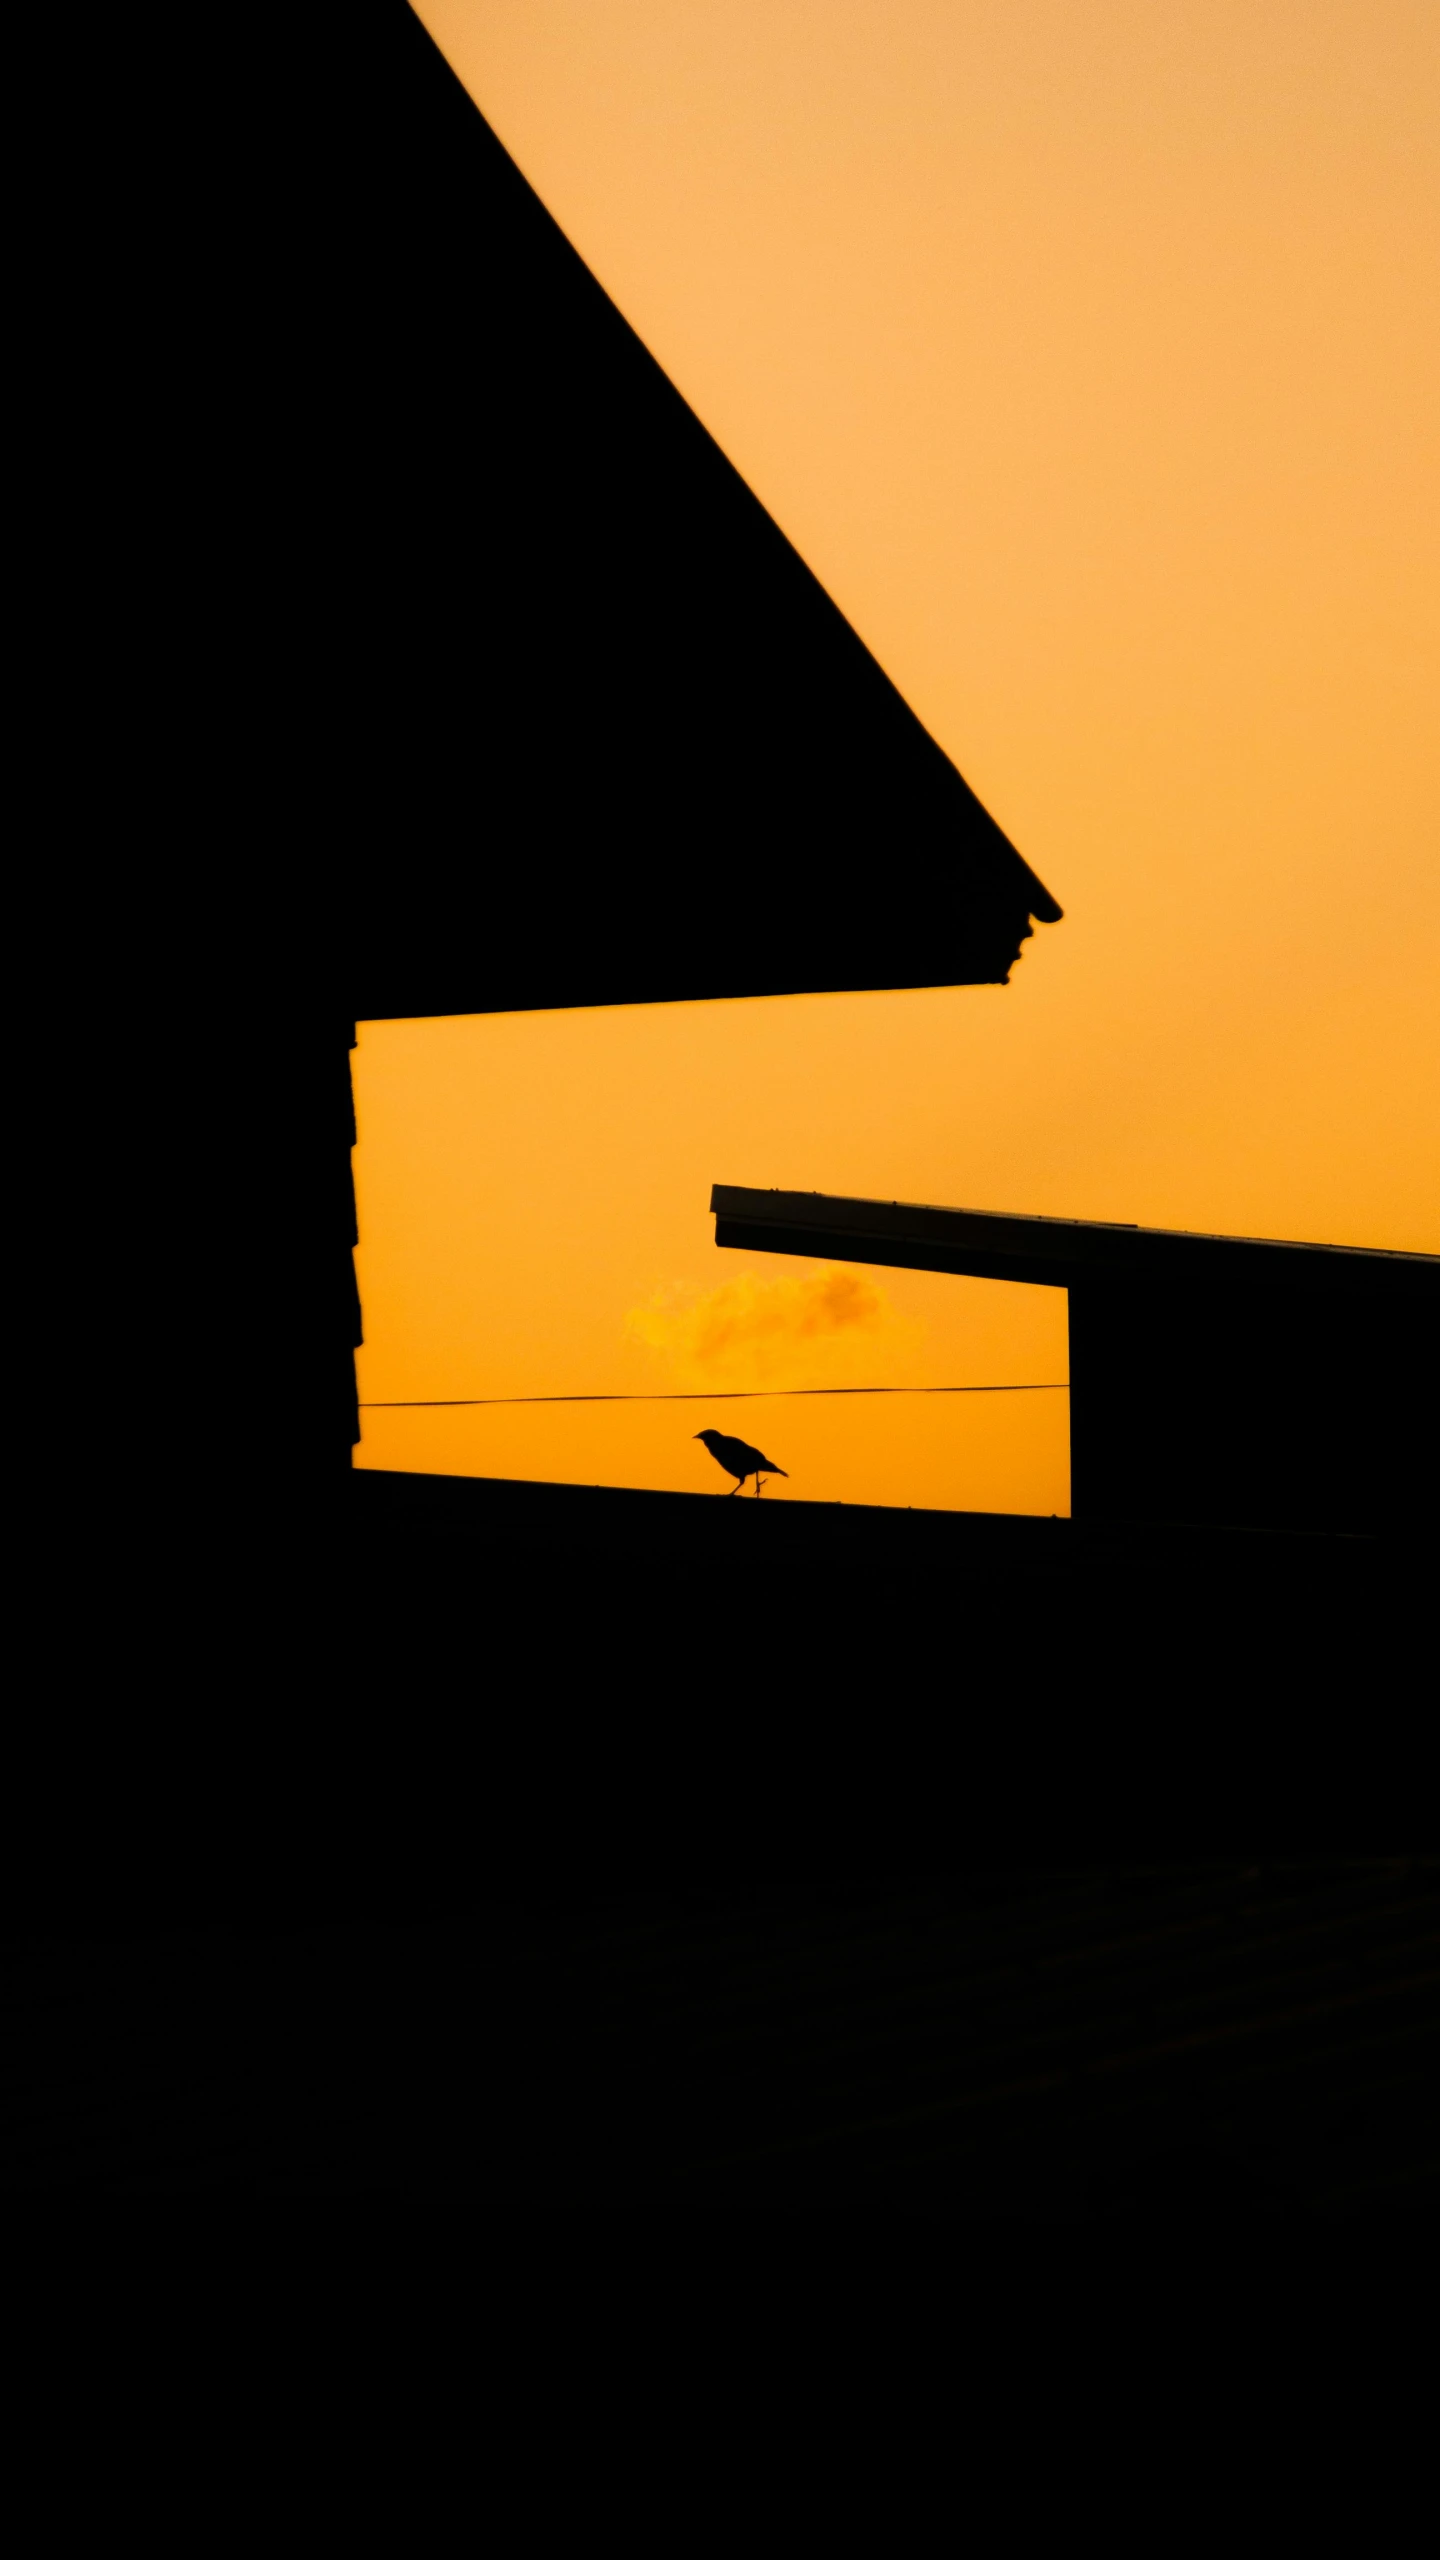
(1054, 1252)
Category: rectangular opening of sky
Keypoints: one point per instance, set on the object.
(533, 1193)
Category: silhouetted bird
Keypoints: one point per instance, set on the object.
(738, 1459)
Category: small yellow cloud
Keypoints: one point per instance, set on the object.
(800, 1329)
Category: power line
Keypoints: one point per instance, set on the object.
(709, 1395)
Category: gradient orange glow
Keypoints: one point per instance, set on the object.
(533, 1194)
(1089, 352)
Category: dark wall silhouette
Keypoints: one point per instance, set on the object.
(1264, 1409)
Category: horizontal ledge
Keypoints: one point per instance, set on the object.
(642, 1522)
(1053, 1252)
(591, 999)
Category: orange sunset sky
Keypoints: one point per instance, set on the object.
(1088, 350)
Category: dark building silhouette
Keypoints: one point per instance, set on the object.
(583, 726)
(530, 1843)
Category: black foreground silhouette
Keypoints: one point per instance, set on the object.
(739, 1459)
(880, 1916)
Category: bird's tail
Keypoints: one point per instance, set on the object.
(772, 1471)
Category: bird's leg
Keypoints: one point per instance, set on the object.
(737, 1487)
